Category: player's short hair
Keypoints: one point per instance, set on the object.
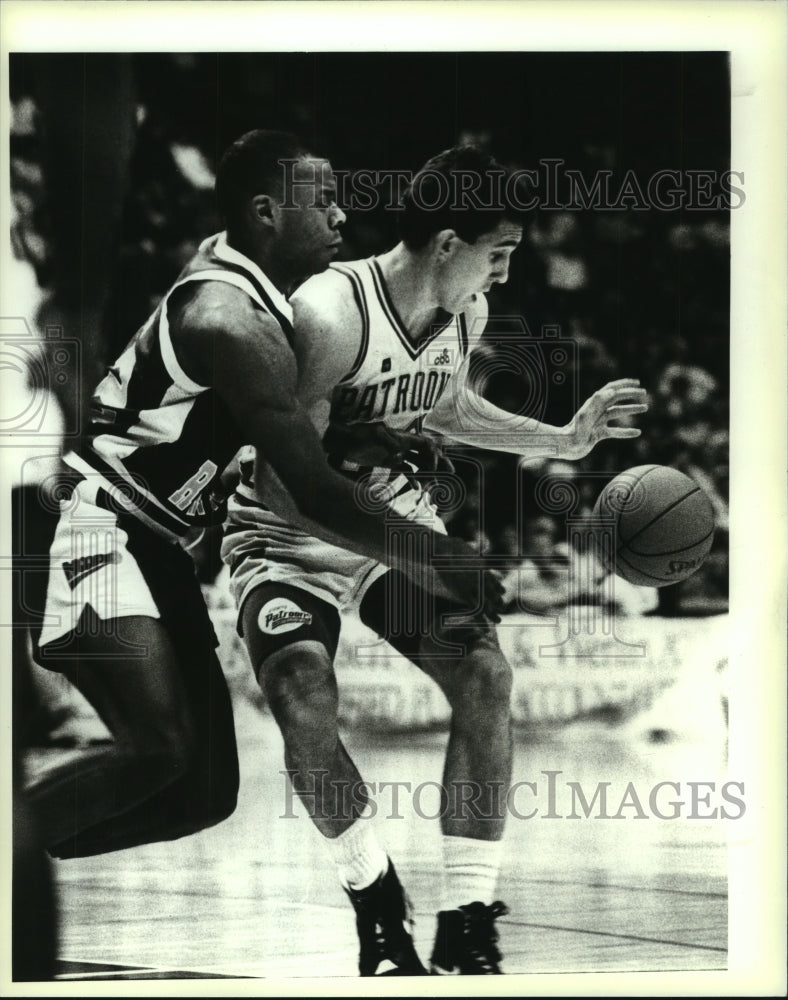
(251, 166)
(463, 188)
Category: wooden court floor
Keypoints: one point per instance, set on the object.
(254, 898)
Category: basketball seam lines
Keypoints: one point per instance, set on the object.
(618, 512)
(670, 552)
(662, 513)
(643, 572)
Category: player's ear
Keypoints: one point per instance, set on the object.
(445, 242)
(262, 209)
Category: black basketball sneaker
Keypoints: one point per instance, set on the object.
(466, 941)
(384, 922)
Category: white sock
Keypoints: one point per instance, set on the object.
(470, 871)
(359, 858)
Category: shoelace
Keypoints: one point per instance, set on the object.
(371, 939)
(375, 941)
(376, 937)
(481, 936)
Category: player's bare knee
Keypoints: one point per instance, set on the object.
(482, 681)
(300, 687)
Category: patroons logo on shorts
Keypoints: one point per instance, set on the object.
(77, 570)
(281, 615)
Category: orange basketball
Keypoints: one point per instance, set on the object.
(662, 525)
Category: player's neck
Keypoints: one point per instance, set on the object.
(410, 283)
(267, 259)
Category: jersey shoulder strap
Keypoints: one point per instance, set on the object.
(353, 273)
(216, 260)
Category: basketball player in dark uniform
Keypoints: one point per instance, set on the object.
(388, 340)
(123, 615)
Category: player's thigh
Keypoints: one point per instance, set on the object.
(169, 576)
(291, 636)
(427, 630)
(130, 674)
(417, 622)
(121, 612)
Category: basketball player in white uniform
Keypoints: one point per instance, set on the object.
(379, 341)
(121, 612)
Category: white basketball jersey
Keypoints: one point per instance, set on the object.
(393, 379)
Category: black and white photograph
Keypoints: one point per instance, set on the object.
(393, 549)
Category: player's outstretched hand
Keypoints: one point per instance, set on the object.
(377, 444)
(593, 422)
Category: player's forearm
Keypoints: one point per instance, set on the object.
(477, 422)
(333, 509)
(323, 507)
(339, 519)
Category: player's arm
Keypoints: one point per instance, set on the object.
(463, 415)
(328, 338)
(243, 354)
(223, 341)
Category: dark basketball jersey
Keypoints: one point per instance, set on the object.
(160, 439)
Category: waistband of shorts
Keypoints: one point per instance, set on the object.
(111, 490)
(244, 497)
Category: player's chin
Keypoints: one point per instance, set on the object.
(330, 253)
(459, 305)
(321, 260)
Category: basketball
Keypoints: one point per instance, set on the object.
(663, 525)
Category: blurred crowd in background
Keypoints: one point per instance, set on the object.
(636, 293)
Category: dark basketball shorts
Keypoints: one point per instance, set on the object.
(78, 553)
